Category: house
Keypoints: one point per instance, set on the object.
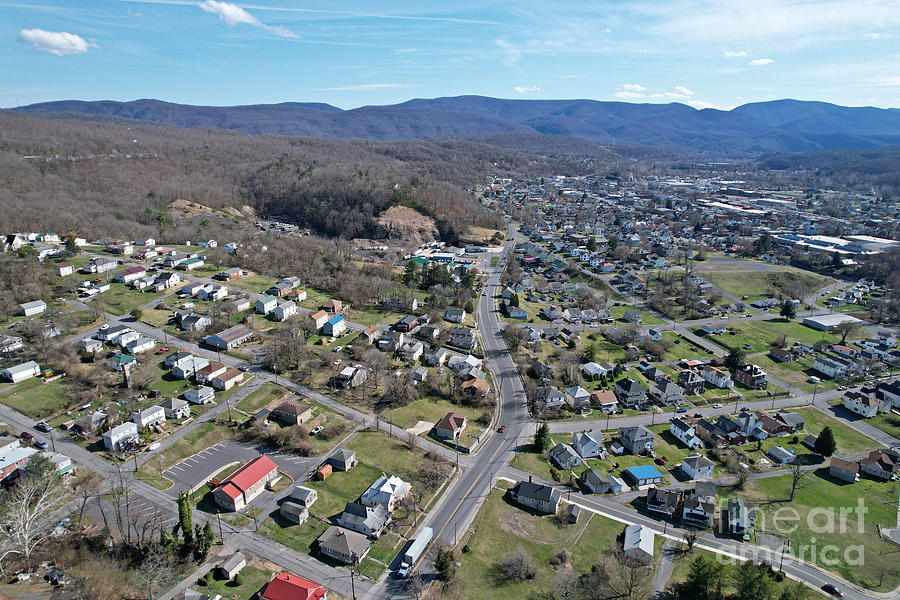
(30, 309)
(11, 343)
(334, 326)
(370, 334)
(542, 498)
(292, 412)
(551, 396)
(342, 460)
(740, 518)
(751, 376)
(684, 433)
(240, 305)
(149, 417)
(459, 363)
(365, 519)
(209, 371)
(227, 380)
(793, 421)
(318, 318)
(165, 281)
(462, 337)
(632, 315)
(601, 483)
(293, 512)
(65, 269)
(121, 436)
(780, 455)
(638, 544)
(436, 357)
(230, 338)
(89, 424)
(454, 315)
(865, 405)
(241, 487)
(589, 444)
(717, 377)
(387, 490)
(14, 457)
(175, 408)
(713, 329)
(880, 464)
(662, 502)
(593, 370)
(121, 362)
(605, 400)
(185, 368)
(130, 274)
(200, 395)
(515, 312)
(230, 274)
(565, 456)
(691, 382)
(667, 393)
(285, 586)
(782, 355)
(642, 475)
(578, 398)
(351, 377)
(266, 304)
(844, 470)
(303, 495)
(232, 565)
(21, 372)
(333, 306)
(409, 351)
(697, 510)
(450, 427)
(637, 439)
(195, 322)
(343, 545)
(697, 466)
(284, 311)
(831, 366)
(630, 392)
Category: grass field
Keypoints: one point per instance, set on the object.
(120, 299)
(683, 348)
(261, 397)
(253, 282)
(647, 318)
(758, 284)
(796, 373)
(849, 441)
(818, 490)
(432, 410)
(37, 399)
(501, 527)
(254, 579)
(887, 422)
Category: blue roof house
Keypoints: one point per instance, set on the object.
(643, 475)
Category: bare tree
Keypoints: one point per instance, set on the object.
(87, 486)
(24, 511)
(797, 474)
(518, 564)
(155, 567)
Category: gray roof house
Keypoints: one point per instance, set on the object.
(564, 456)
(542, 498)
(344, 545)
(636, 439)
(367, 520)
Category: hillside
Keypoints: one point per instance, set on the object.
(777, 126)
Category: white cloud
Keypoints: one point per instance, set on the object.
(364, 87)
(232, 14)
(526, 89)
(700, 104)
(759, 62)
(734, 53)
(887, 81)
(633, 87)
(60, 43)
(873, 36)
(678, 93)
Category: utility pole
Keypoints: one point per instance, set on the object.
(219, 519)
(52, 441)
(352, 582)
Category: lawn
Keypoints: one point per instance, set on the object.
(683, 348)
(758, 284)
(155, 317)
(254, 580)
(887, 422)
(501, 527)
(261, 397)
(37, 399)
(796, 373)
(253, 282)
(849, 441)
(432, 410)
(818, 490)
(647, 318)
(120, 299)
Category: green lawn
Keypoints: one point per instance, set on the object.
(37, 399)
(887, 422)
(156, 318)
(683, 348)
(849, 441)
(253, 282)
(757, 284)
(432, 410)
(796, 373)
(647, 318)
(261, 397)
(120, 299)
(254, 580)
(818, 490)
(502, 527)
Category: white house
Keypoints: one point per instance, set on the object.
(149, 417)
(121, 435)
(831, 366)
(284, 311)
(684, 432)
(32, 308)
(201, 394)
(21, 372)
(176, 409)
(638, 544)
(717, 377)
(387, 491)
(589, 444)
(334, 326)
(697, 466)
(266, 304)
(865, 405)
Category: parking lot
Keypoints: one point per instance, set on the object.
(194, 471)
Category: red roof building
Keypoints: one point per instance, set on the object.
(242, 486)
(291, 587)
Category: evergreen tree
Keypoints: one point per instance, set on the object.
(410, 274)
(703, 581)
(185, 519)
(736, 358)
(836, 261)
(542, 439)
(825, 443)
(788, 310)
(514, 300)
(445, 563)
(753, 582)
(592, 244)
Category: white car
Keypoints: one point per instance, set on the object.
(316, 430)
(717, 405)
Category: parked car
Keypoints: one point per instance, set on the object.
(41, 444)
(717, 405)
(681, 409)
(501, 429)
(163, 350)
(316, 430)
(26, 436)
(43, 427)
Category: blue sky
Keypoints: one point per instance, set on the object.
(700, 52)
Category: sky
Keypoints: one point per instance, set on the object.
(704, 53)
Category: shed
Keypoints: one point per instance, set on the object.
(293, 512)
(324, 472)
(232, 565)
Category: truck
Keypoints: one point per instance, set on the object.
(412, 555)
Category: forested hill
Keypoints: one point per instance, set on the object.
(776, 126)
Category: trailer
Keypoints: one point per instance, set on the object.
(415, 551)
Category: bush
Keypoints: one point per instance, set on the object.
(332, 429)
(204, 581)
(554, 473)
(519, 565)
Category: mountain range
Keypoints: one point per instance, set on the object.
(750, 129)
